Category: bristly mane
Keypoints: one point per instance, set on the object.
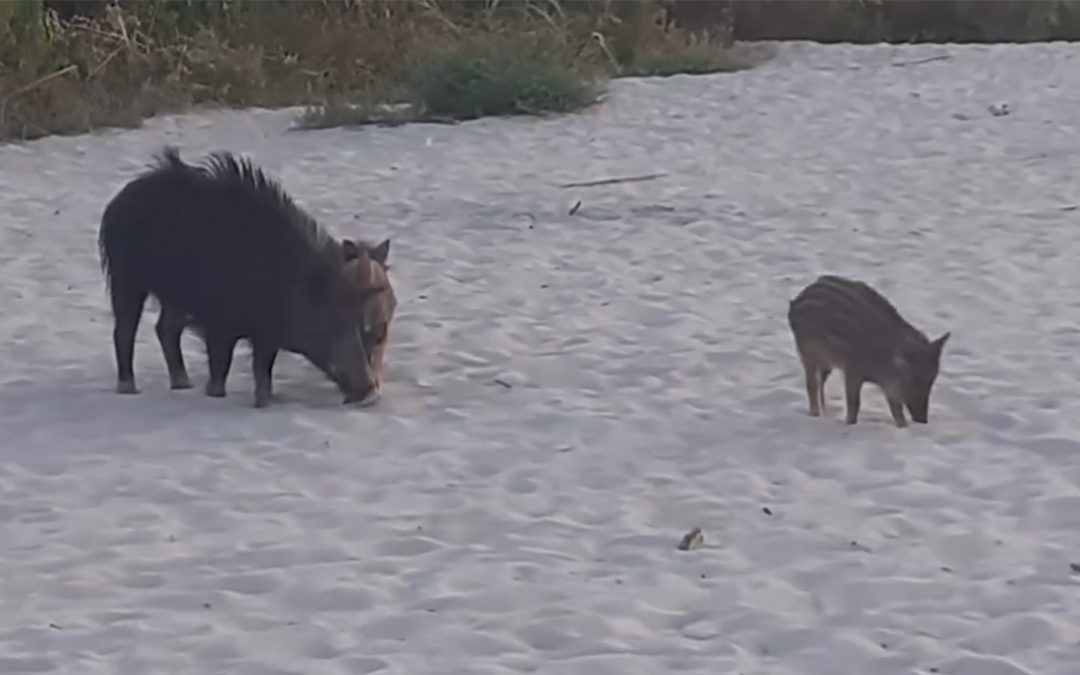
(225, 167)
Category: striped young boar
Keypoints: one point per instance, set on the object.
(846, 324)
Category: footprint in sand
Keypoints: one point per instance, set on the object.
(143, 581)
(981, 665)
(1016, 633)
(1054, 447)
(408, 547)
(364, 665)
(28, 664)
(249, 584)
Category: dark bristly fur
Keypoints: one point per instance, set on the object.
(846, 324)
(223, 247)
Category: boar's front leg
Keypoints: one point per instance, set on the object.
(813, 387)
(170, 326)
(896, 407)
(219, 352)
(262, 362)
(852, 388)
(824, 375)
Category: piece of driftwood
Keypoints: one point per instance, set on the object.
(917, 62)
(693, 539)
(612, 181)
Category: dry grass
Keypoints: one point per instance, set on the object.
(486, 71)
(152, 57)
(344, 59)
(529, 59)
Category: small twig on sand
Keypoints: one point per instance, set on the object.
(575, 207)
(502, 383)
(928, 59)
(612, 181)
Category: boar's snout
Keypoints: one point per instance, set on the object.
(919, 409)
(361, 391)
(350, 370)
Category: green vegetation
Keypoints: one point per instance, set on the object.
(343, 59)
(395, 61)
(489, 73)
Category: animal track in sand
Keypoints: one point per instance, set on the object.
(364, 665)
(27, 664)
(249, 584)
(409, 546)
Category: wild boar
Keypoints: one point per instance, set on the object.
(372, 316)
(223, 247)
(846, 324)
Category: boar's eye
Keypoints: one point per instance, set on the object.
(374, 334)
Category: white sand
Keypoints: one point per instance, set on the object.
(465, 527)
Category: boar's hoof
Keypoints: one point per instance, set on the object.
(364, 401)
(126, 387)
(215, 389)
(180, 382)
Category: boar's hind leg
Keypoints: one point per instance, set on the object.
(262, 362)
(815, 380)
(852, 389)
(170, 326)
(219, 352)
(821, 387)
(127, 304)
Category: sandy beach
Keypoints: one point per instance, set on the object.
(567, 395)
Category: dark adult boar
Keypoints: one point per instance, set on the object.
(846, 324)
(373, 317)
(223, 247)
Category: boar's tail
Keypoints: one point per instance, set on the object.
(167, 159)
(103, 251)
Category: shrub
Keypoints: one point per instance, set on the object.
(697, 55)
(485, 74)
(344, 59)
(498, 74)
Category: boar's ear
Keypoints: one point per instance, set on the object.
(939, 344)
(350, 249)
(381, 252)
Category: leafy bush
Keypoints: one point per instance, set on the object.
(344, 59)
(498, 74)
